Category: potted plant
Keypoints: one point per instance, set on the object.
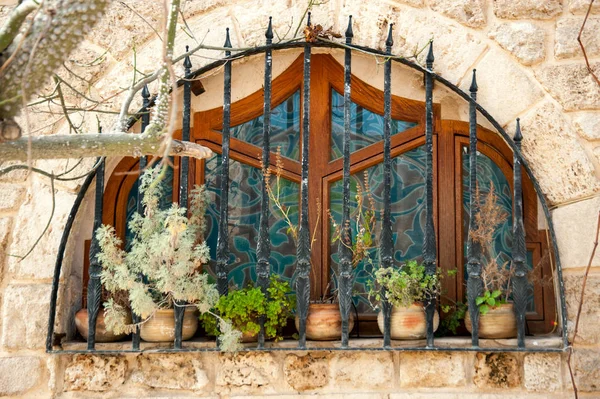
(163, 268)
(409, 289)
(102, 333)
(243, 308)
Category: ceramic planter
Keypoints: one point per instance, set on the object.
(324, 322)
(408, 322)
(498, 322)
(102, 334)
(161, 327)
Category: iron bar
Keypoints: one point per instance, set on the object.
(135, 340)
(303, 251)
(223, 237)
(179, 308)
(429, 241)
(519, 248)
(263, 250)
(474, 281)
(94, 294)
(387, 239)
(345, 241)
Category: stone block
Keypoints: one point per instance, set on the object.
(542, 372)
(588, 125)
(575, 226)
(170, 371)
(524, 40)
(363, 370)
(572, 85)
(25, 316)
(95, 373)
(247, 371)
(422, 369)
(5, 229)
(587, 370)
(19, 374)
(308, 372)
(581, 6)
(553, 151)
(527, 9)
(500, 80)
(565, 38)
(497, 370)
(587, 331)
(11, 196)
(455, 48)
(467, 12)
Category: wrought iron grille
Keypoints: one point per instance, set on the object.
(303, 263)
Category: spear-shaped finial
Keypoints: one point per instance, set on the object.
(269, 33)
(430, 58)
(389, 41)
(145, 92)
(474, 87)
(518, 136)
(349, 33)
(227, 42)
(308, 19)
(187, 63)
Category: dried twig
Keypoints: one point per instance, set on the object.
(587, 62)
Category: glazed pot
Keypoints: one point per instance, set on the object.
(324, 322)
(498, 322)
(161, 326)
(408, 322)
(102, 334)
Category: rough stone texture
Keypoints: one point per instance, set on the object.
(247, 371)
(363, 370)
(560, 164)
(455, 48)
(542, 372)
(500, 79)
(565, 38)
(5, 228)
(31, 221)
(305, 373)
(467, 12)
(414, 3)
(534, 9)
(572, 85)
(422, 369)
(588, 125)
(575, 225)
(524, 40)
(581, 6)
(19, 374)
(587, 332)
(25, 316)
(497, 370)
(170, 371)
(587, 370)
(95, 373)
(11, 197)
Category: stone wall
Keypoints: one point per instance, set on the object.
(529, 66)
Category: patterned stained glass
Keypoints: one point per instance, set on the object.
(132, 202)
(285, 128)
(408, 214)
(244, 218)
(366, 126)
(489, 173)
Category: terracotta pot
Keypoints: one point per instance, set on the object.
(102, 334)
(249, 337)
(324, 322)
(161, 327)
(408, 322)
(498, 322)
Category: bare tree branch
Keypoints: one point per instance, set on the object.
(587, 62)
(11, 28)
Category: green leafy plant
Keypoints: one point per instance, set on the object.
(456, 312)
(243, 307)
(489, 300)
(163, 268)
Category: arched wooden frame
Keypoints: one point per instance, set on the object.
(327, 74)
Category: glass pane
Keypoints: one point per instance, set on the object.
(408, 213)
(489, 173)
(132, 202)
(244, 218)
(366, 126)
(285, 128)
